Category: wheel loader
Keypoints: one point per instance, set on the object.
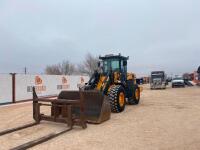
(108, 90)
(112, 80)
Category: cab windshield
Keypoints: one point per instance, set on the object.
(157, 75)
(109, 65)
(178, 78)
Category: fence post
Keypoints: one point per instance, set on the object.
(13, 87)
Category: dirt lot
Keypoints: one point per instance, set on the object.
(164, 120)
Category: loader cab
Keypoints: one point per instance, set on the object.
(113, 63)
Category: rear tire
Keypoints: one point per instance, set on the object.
(117, 104)
(135, 99)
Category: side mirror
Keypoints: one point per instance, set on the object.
(124, 63)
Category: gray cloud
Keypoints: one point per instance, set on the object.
(155, 34)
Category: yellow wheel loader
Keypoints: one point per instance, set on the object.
(113, 81)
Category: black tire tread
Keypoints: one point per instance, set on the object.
(113, 98)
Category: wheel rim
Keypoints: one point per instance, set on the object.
(121, 99)
(137, 94)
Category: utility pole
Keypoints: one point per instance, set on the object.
(25, 70)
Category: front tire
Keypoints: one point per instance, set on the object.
(117, 98)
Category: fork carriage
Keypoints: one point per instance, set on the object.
(61, 109)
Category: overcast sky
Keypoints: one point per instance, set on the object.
(155, 34)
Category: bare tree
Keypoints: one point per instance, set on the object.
(89, 65)
(53, 70)
(65, 68)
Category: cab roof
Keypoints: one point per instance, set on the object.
(112, 56)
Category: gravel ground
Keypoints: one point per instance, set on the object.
(164, 120)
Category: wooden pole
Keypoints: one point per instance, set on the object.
(13, 87)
